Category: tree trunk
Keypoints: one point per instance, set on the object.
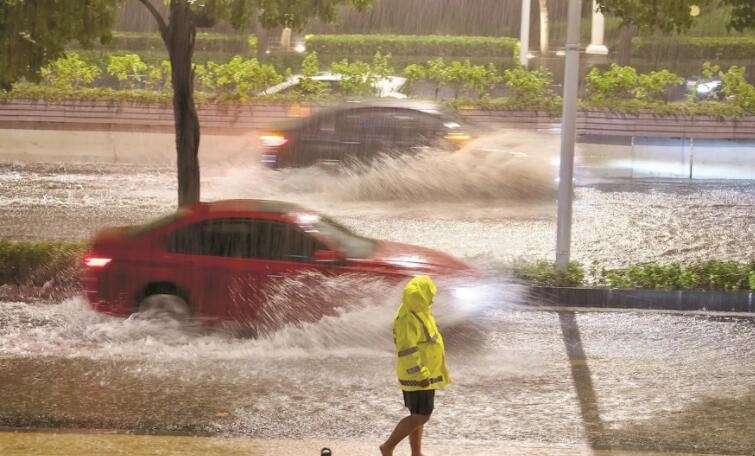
(543, 27)
(625, 44)
(261, 34)
(180, 42)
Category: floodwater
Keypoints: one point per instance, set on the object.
(487, 208)
(603, 380)
(644, 381)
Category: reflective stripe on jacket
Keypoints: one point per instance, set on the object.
(421, 356)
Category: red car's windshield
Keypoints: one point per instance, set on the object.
(354, 245)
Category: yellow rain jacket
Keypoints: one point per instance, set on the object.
(421, 363)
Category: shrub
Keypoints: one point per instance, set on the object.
(652, 86)
(238, 78)
(702, 276)
(616, 82)
(36, 263)
(356, 77)
(159, 76)
(128, 69)
(412, 45)
(437, 73)
(529, 84)
(688, 48)
(69, 72)
(735, 85)
(310, 67)
(205, 42)
(545, 273)
(414, 73)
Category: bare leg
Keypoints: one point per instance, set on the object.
(404, 427)
(415, 441)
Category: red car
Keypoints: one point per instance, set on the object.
(226, 260)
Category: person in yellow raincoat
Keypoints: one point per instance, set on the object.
(420, 364)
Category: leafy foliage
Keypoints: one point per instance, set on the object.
(310, 67)
(529, 84)
(158, 76)
(545, 273)
(34, 33)
(69, 71)
(35, 263)
(652, 86)
(618, 82)
(736, 86)
(674, 16)
(356, 77)
(708, 275)
(128, 69)
(239, 78)
(703, 276)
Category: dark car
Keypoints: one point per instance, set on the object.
(361, 131)
(225, 261)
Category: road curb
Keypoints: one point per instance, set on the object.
(719, 301)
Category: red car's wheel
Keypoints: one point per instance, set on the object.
(162, 306)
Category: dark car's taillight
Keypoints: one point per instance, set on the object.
(273, 140)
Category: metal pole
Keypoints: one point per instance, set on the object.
(524, 33)
(568, 136)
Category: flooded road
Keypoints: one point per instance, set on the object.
(597, 380)
(478, 212)
(641, 381)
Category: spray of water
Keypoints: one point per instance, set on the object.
(504, 166)
(360, 324)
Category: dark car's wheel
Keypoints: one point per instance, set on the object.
(164, 306)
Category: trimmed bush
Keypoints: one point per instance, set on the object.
(711, 275)
(545, 273)
(691, 47)
(38, 262)
(353, 46)
(206, 42)
(703, 276)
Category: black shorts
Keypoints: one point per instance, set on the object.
(420, 402)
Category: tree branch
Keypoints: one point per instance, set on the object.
(159, 19)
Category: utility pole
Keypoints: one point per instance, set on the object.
(524, 33)
(568, 136)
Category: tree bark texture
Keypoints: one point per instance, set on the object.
(181, 35)
(626, 31)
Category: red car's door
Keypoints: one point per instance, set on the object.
(213, 262)
(297, 287)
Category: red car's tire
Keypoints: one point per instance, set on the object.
(161, 306)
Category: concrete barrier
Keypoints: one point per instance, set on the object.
(730, 301)
(116, 147)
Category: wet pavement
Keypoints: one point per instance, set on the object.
(529, 382)
(54, 443)
(630, 381)
(486, 215)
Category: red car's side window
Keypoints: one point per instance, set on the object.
(244, 238)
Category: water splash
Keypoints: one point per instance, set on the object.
(361, 324)
(504, 166)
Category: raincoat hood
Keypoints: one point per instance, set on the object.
(418, 295)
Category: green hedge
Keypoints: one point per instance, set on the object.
(709, 275)
(412, 45)
(690, 47)
(206, 42)
(37, 262)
